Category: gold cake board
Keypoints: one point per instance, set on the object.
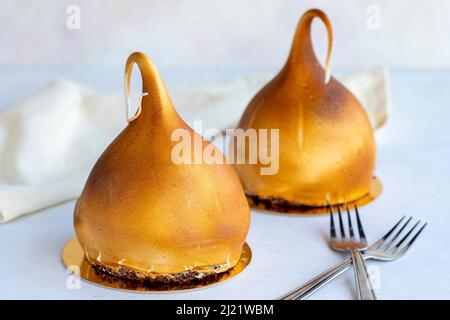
(75, 261)
(267, 205)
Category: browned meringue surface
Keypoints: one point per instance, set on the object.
(327, 148)
(140, 211)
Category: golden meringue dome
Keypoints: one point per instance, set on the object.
(326, 143)
(142, 212)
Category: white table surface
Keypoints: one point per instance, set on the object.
(413, 164)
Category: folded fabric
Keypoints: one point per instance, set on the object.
(50, 141)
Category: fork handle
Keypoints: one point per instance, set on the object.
(317, 282)
(365, 291)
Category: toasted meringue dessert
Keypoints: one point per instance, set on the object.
(326, 143)
(143, 217)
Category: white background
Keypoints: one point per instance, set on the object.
(222, 34)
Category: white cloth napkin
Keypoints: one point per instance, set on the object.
(50, 141)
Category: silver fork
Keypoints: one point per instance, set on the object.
(383, 250)
(352, 245)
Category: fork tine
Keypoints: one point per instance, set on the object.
(380, 241)
(362, 235)
(341, 225)
(406, 236)
(401, 230)
(350, 226)
(332, 228)
(389, 243)
(393, 228)
(413, 239)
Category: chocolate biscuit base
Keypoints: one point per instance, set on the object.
(127, 278)
(284, 206)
